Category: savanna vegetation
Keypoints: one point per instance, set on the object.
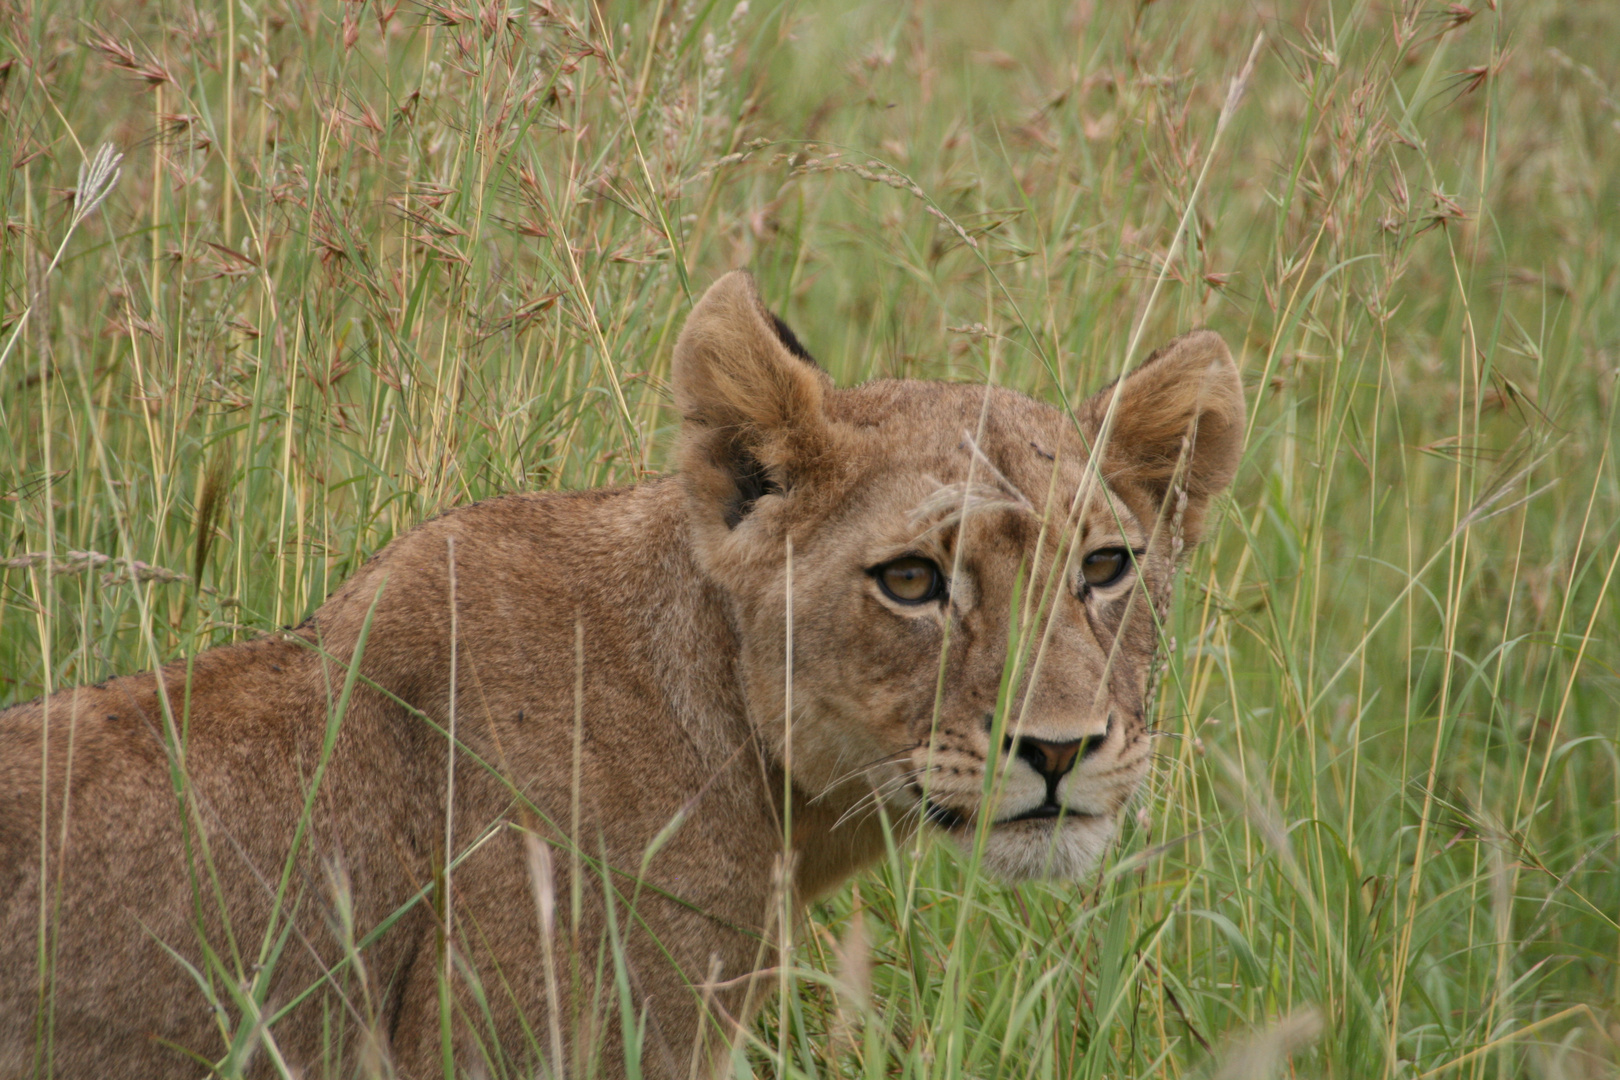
(279, 280)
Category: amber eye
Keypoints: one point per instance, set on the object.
(911, 580)
(1105, 566)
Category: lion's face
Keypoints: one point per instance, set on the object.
(974, 591)
(946, 578)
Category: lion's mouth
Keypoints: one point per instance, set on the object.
(948, 819)
(1040, 813)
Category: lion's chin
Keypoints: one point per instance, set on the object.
(1027, 850)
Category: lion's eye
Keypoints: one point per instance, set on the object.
(911, 580)
(1105, 566)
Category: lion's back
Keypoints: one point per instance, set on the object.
(79, 777)
(101, 731)
(128, 887)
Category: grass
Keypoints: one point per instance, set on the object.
(364, 262)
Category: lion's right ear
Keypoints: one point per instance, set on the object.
(750, 397)
(1178, 420)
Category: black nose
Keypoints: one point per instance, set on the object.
(1052, 760)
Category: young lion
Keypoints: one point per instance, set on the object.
(255, 858)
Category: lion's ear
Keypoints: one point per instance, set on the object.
(750, 396)
(1178, 422)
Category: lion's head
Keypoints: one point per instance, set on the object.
(977, 578)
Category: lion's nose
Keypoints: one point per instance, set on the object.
(1052, 760)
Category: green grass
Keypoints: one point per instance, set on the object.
(339, 287)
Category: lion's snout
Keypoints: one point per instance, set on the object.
(1050, 800)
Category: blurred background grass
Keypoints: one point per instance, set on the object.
(365, 261)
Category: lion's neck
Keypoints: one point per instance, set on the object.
(832, 840)
(680, 622)
(696, 645)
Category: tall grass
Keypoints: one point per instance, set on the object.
(365, 261)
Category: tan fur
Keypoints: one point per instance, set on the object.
(676, 590)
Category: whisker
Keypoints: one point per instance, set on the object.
(876, 796)
(860, 769)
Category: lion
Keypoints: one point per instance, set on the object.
(849, 614)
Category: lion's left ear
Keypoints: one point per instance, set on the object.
(1178, 422)
(751, 399)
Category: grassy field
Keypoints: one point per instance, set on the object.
(360, 262)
